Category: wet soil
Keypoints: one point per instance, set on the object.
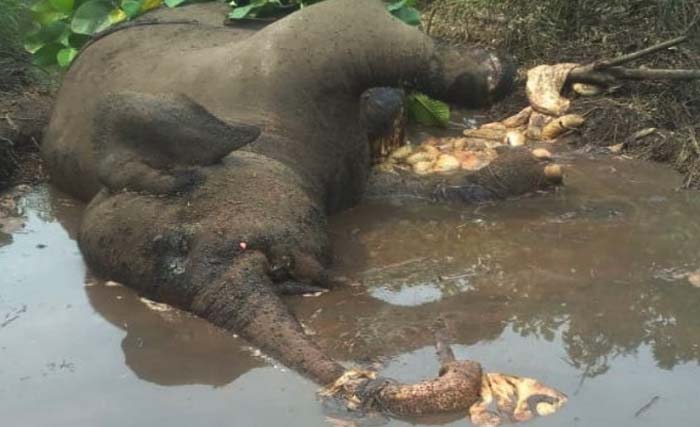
(24, 111)
(591, 290)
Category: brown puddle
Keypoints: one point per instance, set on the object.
(586, 290)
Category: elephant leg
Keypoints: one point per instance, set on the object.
(121, 169)
(513, 173)
(385, 118)
(379, 50)
(154, 143)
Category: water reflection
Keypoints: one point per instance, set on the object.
(166, 347)
(569, 288)
(583, 264)
(170, 347)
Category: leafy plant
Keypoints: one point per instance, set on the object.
(405, 11)
(427, 111)
(62, 27)
(261, 9)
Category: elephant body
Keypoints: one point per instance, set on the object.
(212, 157)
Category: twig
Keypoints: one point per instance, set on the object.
(646, 407)
(653, 74)
(429, 25)
(612, 75)
(607, 72)
(442, 347)
(604, 64)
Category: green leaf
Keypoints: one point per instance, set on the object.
(132, 8)
(92, 17)
(256, 9)
(62, 5)
(409, 15)
(77, 40)
(150, 4)
(48, 34)
(65, 56)
(239, 12)
(44, 13)
(116, 16)
(427, 111)
(47, 54)
(396, 5)
(174, 3)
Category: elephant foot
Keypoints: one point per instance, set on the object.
(425, 173)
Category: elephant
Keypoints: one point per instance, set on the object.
(212, 156)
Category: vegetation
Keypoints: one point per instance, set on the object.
(64, 26)
(14, 17)
(402, 9)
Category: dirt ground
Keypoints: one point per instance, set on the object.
(25, 104)
(23, 116)
(584, 31)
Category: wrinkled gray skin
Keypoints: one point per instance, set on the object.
(212, 156)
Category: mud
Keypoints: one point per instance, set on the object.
(588, 289)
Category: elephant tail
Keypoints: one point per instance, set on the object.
(243, 300)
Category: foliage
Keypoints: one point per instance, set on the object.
(427, 111)
(14, 19)
(12, 13)
(261, 9)
(62, 27)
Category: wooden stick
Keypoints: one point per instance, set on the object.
(612, 75)
(604, 64)
(653, 74)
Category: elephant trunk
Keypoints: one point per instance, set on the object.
(457, 388)
(243, 300)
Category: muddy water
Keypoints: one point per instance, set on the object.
(587, 290)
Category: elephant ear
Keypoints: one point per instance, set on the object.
(155, 143)
(168, 130)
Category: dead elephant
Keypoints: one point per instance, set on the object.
(213, 155)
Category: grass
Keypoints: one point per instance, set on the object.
(14, 20)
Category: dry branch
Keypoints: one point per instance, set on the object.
(613, 75)
(601, 65)
(608, 72)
